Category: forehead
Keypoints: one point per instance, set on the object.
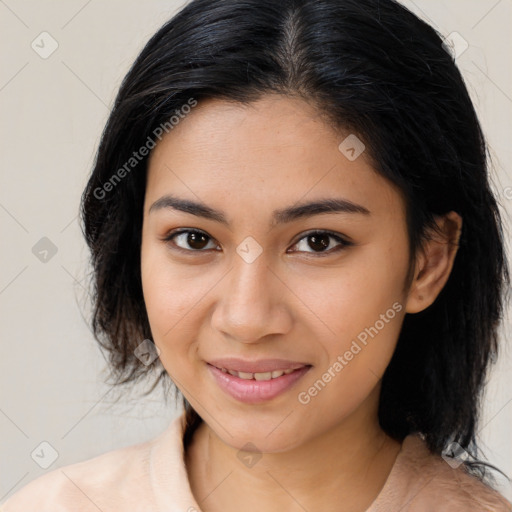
(274, 151)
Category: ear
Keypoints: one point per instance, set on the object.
(434, 263)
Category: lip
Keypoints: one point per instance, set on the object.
(261, 366)
(252, 391)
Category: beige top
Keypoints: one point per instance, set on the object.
(152, 477)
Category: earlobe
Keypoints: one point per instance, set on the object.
(434, 263)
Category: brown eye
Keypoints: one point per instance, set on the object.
(321, 241)
(190, 240)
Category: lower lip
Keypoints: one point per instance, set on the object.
(255, 391)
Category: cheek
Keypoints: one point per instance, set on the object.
(166, 296)
(366, 318)
(364, 309)
(358, 294)
(174, 297)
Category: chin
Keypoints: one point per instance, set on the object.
(270, 433)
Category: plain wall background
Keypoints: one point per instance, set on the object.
(53, 111)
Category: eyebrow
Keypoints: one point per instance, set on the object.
(282, 216)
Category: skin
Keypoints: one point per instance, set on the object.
(293, 301)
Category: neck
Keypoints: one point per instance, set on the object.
(347, 464)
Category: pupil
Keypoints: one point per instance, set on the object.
(320, 242)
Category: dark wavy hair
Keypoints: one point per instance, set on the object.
(371, 67)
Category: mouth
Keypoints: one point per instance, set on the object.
(267, 380)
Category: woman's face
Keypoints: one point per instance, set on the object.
(256, 284)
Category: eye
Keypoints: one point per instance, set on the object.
(320, 242)
(197, 241)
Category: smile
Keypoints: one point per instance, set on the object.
(256, 387)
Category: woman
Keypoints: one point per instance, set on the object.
(290, 218)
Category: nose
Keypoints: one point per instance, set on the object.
(252, 302)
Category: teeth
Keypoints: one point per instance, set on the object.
(263, 376)
(258, 376)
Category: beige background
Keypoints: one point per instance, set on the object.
(53, 111)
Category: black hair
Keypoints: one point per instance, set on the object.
(372, 68)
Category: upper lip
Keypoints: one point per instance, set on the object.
(259, 366)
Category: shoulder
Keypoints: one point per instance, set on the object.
(429, 483)
(457, 490)
(95, 484)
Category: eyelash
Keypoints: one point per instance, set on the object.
(343, 243)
